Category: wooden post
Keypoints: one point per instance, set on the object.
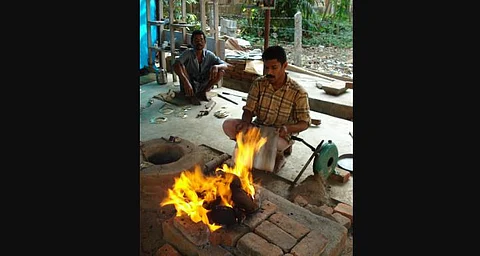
(267, 29)
(298, 39)
(171, 6)
(216, 35)
(203, 18)
(184, 18)
(149, 37)
(160, 36)
(211, 18)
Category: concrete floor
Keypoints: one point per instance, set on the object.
(207, 130)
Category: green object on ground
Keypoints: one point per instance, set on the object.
(326, 160)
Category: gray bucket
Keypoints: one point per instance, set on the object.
(161, 76)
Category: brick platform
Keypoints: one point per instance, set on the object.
(279, 227)
(237, 77)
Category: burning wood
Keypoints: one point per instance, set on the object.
(223, 215)
(221, 199)
(243, 204)
(240, 198)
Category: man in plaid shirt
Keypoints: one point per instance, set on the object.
(275, 100)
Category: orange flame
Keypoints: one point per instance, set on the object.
(193, 190)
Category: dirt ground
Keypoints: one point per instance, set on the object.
(325, 60)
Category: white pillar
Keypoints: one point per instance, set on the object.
(298, 39)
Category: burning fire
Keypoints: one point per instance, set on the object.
(192, 191)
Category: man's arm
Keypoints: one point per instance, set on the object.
(293, 128)
(246, 122)
(218, 68)
(302, 109)
(181, 71)
(247, 116)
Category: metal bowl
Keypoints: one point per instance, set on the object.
(345, 162)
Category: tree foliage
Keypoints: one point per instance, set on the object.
(329, 26)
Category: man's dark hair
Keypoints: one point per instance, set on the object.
(275, 52)
(197, 32)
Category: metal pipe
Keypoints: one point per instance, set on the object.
(300, 139)
(225, 98)
(314, 154)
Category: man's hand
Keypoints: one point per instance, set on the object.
(242, 126)
(282, 131)
(188, 89)
(213, 72)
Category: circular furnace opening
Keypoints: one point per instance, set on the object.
(166, 154)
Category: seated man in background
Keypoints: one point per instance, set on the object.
(276, 101)
(198, 69)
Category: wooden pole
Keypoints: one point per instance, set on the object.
(161, 38)
(217, 33)
(203, 17)
(171, 6)
(267, 29)
(149, 37)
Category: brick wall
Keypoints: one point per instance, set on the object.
(236, 77)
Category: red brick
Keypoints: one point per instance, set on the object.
(300, 201)
(325, 208)
(344, 221)
(275, 235)
(318, 211)
(340, 175)
(247, 76)
(236, 62)
(236, 76)
(345, 210)
(267, 208)
(197, 233)
(175, 238)
(239, 67)
(253, 245)
(167, 250)
(289, 225)
(313, 244)
(228, 236)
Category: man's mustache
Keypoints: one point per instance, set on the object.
(270, 76)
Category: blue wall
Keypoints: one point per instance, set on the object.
(143, 31)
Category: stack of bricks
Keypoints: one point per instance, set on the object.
(341, 213)
(266, 232)
(238, 71)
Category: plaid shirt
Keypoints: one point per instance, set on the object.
(287, 105)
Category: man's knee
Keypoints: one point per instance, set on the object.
(229, 127)
(218, 77)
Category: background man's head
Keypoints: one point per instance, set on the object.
(198, 39)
